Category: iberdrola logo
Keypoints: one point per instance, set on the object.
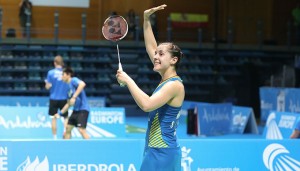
(35, 165)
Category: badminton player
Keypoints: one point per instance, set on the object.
(162, 151)
(58, 93)
(77, 99)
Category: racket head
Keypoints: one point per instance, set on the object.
(115, 28)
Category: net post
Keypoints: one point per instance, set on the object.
(83, 27)
(56, 26)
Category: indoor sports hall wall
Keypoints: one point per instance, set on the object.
(245, 15)
(70, 18)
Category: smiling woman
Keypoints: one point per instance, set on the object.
(163, 105)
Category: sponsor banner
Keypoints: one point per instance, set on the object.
(106, 122)
(280, 125)
(220, 155)
(214, 119)
(24, 122)
(35, 101)
(34, 123)
(126, 155)
(75, 155)
(243, 120)
(278, 99)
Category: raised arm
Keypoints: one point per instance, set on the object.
(149, 38)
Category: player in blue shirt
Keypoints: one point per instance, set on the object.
(58, 93)
(77, 99)
(162, 151)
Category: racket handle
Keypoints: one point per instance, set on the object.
(121, 69)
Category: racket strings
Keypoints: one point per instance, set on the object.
(115, 28)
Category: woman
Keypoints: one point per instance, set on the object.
(162, 151)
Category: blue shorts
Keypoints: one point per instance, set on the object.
(161, 159)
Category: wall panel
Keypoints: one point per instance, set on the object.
(245, 14)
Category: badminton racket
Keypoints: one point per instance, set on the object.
(114, 29)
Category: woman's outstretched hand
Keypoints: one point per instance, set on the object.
(150, 11)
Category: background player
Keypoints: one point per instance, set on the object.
(58, 93)
(77, 99)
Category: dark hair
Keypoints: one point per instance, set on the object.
(69, 71)
(175, 51)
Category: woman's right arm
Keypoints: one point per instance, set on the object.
(149, 38)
